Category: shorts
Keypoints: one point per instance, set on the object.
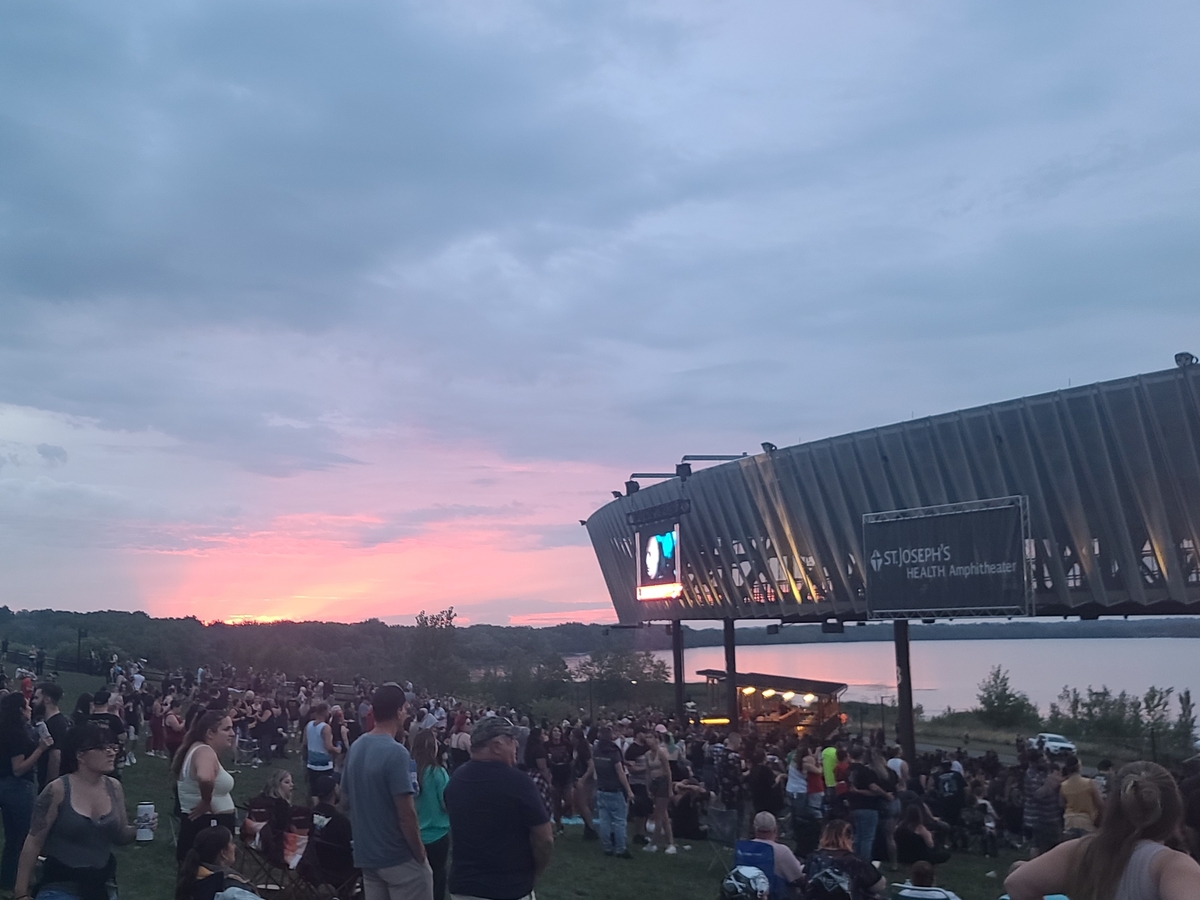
(660, 789)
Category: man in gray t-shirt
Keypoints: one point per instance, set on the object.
(378, 789)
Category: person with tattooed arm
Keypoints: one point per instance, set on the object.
(77, 820)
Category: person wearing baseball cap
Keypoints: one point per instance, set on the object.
(499, 827)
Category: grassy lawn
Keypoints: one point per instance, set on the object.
(579, 871)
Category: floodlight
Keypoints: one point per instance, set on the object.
(632, 487)
(618, 495)
(1185, 359)
(747, 691)
(788, 695)
(768, 447)
(809, 698)
(769, 692)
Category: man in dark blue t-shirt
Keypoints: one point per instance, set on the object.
(499, 827)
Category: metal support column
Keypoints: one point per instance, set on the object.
(731, 685)
(904, 697)
(677, 655)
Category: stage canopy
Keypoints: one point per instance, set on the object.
(1098, 487)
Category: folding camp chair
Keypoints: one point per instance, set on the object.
(762, 857)
(722, 834)
(246, 752)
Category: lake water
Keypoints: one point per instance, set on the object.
(947, 673)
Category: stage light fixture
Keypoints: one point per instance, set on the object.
(809, 698)
(769, 692)
(1185, 359)
(788, 695)
(747, 691)
(768, 447)
(632, 487)
(618, 495)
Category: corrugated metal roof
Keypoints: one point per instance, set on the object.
(1111, 470)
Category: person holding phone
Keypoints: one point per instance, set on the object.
(20, 752)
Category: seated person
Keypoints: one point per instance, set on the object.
(329, 856)
(834, 864)
(278, 792)
(207, 870)
(688, 807)
(914, 841)
(787, 867)
(921, 885)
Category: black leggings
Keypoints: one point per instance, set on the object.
(189, 828)
(437, 853)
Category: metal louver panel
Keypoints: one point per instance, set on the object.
(1111, 470)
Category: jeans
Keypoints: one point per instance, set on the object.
(408, 881)
(16, 805)
(612, 810)
(67, 892)
(865, 823)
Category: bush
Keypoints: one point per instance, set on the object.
(1003, 707)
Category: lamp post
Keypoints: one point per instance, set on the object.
(81, 633)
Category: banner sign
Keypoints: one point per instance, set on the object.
(964, 559)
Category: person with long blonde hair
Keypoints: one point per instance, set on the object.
(835, 863)
(1130, 857)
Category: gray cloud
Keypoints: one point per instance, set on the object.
(52, 455)
(612, 234)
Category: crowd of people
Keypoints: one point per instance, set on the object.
(419, 796)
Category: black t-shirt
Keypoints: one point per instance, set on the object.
(835, 867)
(607, 759)
(57, 725)
(492, 808)
(763, 793)
(16, 742)
(862, 777)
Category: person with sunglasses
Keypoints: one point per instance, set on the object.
(77, 821)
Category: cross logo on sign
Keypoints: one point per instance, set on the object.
(876, 561)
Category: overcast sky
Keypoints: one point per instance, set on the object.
(339, 310)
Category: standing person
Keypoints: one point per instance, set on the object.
(1127, 858)
(317, 747)
(46, 698)
(635, 768)
(865, 798)
(205, 788)
(1081, 799)
(154, 720)
(378, 789)
(558, 759)
(583, 774)
(77, 821)
(537, 764)
(499, 826)
(1043, 806)
(20, 751)
(613, 794)
(341, 737)
(173, 727)
(101, 714)
(658, 783)
(432, 779)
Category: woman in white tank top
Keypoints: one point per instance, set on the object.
(1128, 857)
(205, 789)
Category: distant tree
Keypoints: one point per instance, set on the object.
(432, 660)
(1183, 732)
(1000, 705)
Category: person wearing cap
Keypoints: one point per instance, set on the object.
(499, 827)
(378, 789)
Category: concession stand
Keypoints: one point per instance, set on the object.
(771, 701)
